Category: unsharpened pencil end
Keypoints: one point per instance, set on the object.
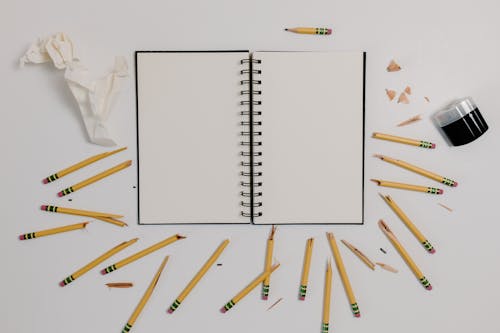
(21, 237)
(329, 31)
(264, 297)
(357, 315)
(433, 146)
(440, 191)
(455, 184)
(103, 271)
(170, 311)
(62, 284)
(43, 207)
(60, 194)
(429, 287)
(302, 298)
(223, 310)
(45, 181)
(432, 251)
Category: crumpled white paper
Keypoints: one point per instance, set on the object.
(94, 97)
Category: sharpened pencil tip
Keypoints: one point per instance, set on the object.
(286, 29)
(180, 236)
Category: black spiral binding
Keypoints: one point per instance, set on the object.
(251, 143)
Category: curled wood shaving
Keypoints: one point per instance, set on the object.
(403, 98)
(410, 121)
(393, 66)
(391, 94)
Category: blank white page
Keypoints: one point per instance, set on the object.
(188, 137)
(312, 134)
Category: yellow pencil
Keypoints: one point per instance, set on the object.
(407, 141)
(406, 257)
(409, 224)
(305, 269)
(310, 31)
(80, 165)
(418, 188)
(95, 178)
(198, 276)
(53, 231)
(96, 262)
(71, 211)
(248, 288)
(343, 274)
(145, 298)
(418, 170)
(359, 254)
(141, 254)
(111, 220)
(268, 263)
(326, 298)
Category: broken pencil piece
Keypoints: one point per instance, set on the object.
(403, 99)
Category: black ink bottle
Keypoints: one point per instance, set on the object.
(461, 122)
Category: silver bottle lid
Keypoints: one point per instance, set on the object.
(457, 110)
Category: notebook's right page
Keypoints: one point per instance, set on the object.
(312, 128)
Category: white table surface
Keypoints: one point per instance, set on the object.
(447, 49)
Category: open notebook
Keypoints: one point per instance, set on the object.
(239, 137)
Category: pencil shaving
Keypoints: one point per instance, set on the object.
(393, 66)
(120, 284)
(410, 121)
(391, 94)
(445, 207)
(408, 90)
(426, 99)
(387, 267)
(403, 99)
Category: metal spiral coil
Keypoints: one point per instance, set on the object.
(250, 122)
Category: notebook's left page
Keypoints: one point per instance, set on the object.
(188, 137)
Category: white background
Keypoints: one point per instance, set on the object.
(447, 49)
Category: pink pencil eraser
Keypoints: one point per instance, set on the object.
(103, 271)
(302, 298)
(62, 284)
(223, 310)
(455, 184)
(329, 31)
(429, 287)
(433, 146)
(45, 181)
(170, 310)
(433, 251)
(357, 315)
(43, 207)
(60, 194)
(21, 237)
(264, 297)
(440, 191)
